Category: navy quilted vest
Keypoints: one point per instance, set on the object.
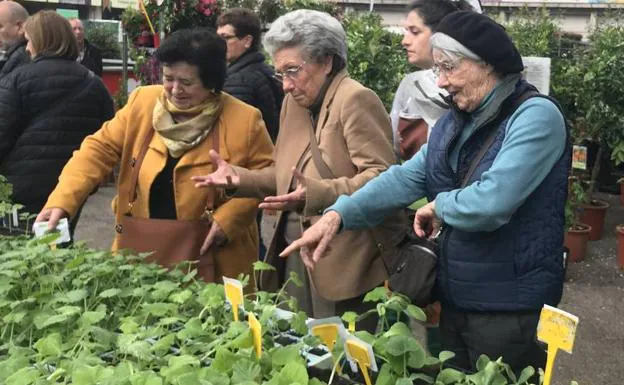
(519, 266)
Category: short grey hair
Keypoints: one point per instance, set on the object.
(318, 34)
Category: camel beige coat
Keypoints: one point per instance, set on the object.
(243, 141)
(355, 140)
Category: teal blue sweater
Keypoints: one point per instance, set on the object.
(534, 141)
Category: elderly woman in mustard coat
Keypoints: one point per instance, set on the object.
(352, 130)
(185, 112)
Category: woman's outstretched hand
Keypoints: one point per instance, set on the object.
(292, 201)
(224, 175)
(52, 215)
(314, 242)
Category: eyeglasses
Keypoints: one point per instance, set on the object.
(291, 73)
(446, 68)
(228, 37)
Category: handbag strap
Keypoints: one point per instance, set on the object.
(322, 167)
(512, 106)
(138, 161)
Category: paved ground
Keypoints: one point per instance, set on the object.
(594, 291)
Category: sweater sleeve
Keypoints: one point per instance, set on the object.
(534, 141)
(394, 189)
(398, 104)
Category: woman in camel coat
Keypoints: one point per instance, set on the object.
(353, 134)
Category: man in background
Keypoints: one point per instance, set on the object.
(89, 55)
(12, 41)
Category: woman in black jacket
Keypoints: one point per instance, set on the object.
(249, 78)
(47, 108)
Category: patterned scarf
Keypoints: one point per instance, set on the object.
(181, 137)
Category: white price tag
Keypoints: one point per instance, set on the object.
(40, 229)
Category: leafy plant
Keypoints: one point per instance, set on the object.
(376, 58)
(578, 196)
(105, 38)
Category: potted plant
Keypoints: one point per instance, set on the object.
(594, 212)
(577, 233)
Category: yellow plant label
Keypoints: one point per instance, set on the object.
(361, 353)
(256, 332)
(557, 328)
(328, 333)
(234, 294)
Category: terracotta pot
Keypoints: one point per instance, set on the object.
(620, 240)
(594, 215)
(576, 241)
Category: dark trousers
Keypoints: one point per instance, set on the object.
(511, 335)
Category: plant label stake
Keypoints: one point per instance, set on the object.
(360, 352)
(256, 332)
(234, 294)
(557, 328)
(328, 330)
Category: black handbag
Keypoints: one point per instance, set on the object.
(411, 266)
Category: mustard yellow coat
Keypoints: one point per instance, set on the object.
(243, 141)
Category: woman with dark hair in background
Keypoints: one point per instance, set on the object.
(179, 122)
(47, 108)
(249, 78)
(418, 102)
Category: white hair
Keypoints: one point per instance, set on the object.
(318, 34)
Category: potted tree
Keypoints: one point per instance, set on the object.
(600, 107)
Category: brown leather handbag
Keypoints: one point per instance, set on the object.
(170, 241)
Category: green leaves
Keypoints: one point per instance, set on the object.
(378, 294)
(49, 346)
(401, 345)
(281, 356)
(246, 370)
(262, 266)
(445, 356)
(293, 373)
(109, 293)
(89, 318)
(416, 313)
(24, 376)
(74, 296)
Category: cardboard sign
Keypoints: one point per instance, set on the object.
(256, 332)
(579, 157)
(233, 294)
(557, 328)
